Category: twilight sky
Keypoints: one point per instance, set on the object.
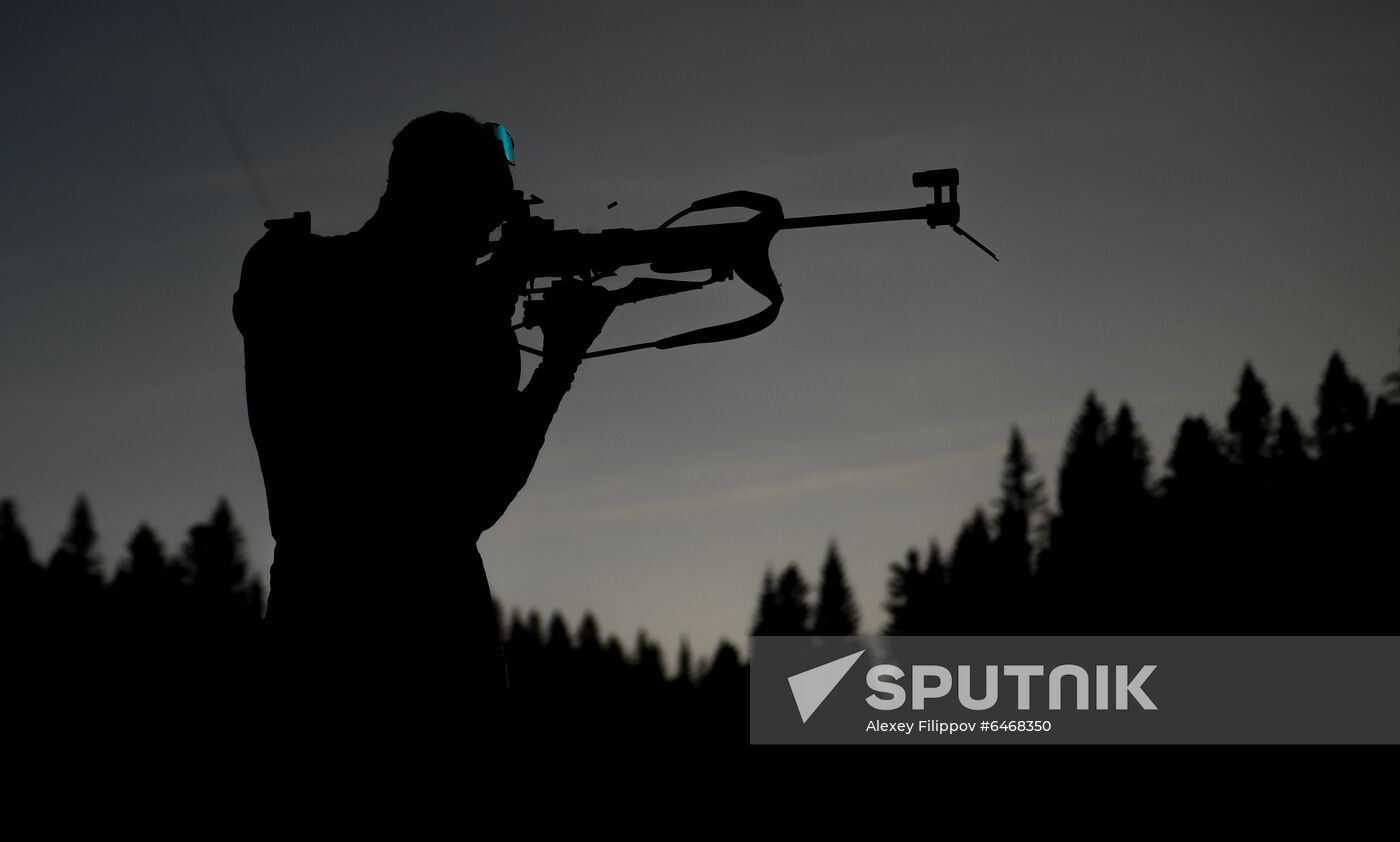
(1173, 188)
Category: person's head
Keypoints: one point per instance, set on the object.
(447, 173)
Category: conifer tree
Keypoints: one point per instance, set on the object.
(1081, 471)
(1289, 447)
(685, 668)
(972, 557)
(1126, 461)
(783, 608)
(15, 551)
(837, 614)
(1342, 412)
(75, 565)
(1250, 420)
(146, 567)
(1022, 500)
(915, 594)
(223, 591)
(20, 575)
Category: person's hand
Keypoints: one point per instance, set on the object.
(574, 315)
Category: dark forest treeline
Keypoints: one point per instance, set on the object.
(1258, 525)
(205, 589)
(165, 623)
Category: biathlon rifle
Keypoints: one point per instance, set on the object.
(532, 250)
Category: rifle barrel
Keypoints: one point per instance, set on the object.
(943, 213)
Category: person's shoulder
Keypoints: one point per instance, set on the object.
(290, 251)
(285, 239)
(275, 268)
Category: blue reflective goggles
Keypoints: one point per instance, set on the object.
(499, 132)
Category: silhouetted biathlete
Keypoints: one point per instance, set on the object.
(383, 396)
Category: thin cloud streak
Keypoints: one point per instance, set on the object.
(810, 483)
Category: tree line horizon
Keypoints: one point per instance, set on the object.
(1255, 526)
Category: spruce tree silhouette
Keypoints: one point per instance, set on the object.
(226, 598)
(1387, 425)
(971, 575)
(1197, 465)
(74, 566)
(1127, 563)
(836, 614)
(1288, 445)
(1384, 491)
(16, 556)
(590, 644)
(1288, 483)
(682, 689)
(220, 620)
(1082, 471)
(615, 663)
(19, 573)
(1250, 421)
(936, 592)
(903, 604)
(721, 698)
(1126, 460)
(1392, 387)
(1351, 481)
(917, 599)
(1250, 548)
(525, 649)
(783, 606)
(792, 610)
(1069, 563)
(1342, 412)
(685, 669)
(147, 589)
(649, 671)
(1020, 506)
(73, 603)
(21, 584)
(146, 562)
(1195, 505)
(558, 651)
(765, 615)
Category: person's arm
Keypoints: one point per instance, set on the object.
(567, 338)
